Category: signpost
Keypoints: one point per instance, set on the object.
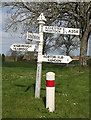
(44, 58)
(23, 47)
(41, 20)
(54, 58)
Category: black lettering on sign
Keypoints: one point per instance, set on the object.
(15, 49)
(64, 32)
(46, 28)
(54, 56)
(48, 56)
(69, 31)
(73, 31)
(76, 31)
(23, 45)
(48, 59)
(62, 57)
(45, 56)
(54, 60)
(58, 57)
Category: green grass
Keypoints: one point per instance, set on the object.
(71, 97)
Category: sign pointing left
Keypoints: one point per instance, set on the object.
(23, 47)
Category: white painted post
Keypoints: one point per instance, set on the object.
(41, 20)
(50, 91)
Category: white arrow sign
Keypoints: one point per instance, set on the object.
(54, 58)
(33, 36)
(61, 30)
(23, 47)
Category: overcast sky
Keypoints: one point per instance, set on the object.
(9, 38)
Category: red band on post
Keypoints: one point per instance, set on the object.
(50, 83)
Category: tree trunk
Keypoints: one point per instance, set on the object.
(15, 59)
(67, 51)
(83, 48)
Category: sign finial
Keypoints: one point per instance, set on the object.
(41, 17)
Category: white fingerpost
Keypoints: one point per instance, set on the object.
(41, 20)
(50, 91)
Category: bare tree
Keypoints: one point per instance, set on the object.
(60, 14)
(67, 43)
(15, 54)
(78, 14)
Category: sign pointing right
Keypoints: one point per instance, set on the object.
(54, 58)
(61, 30)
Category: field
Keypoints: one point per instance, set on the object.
(18, 86)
